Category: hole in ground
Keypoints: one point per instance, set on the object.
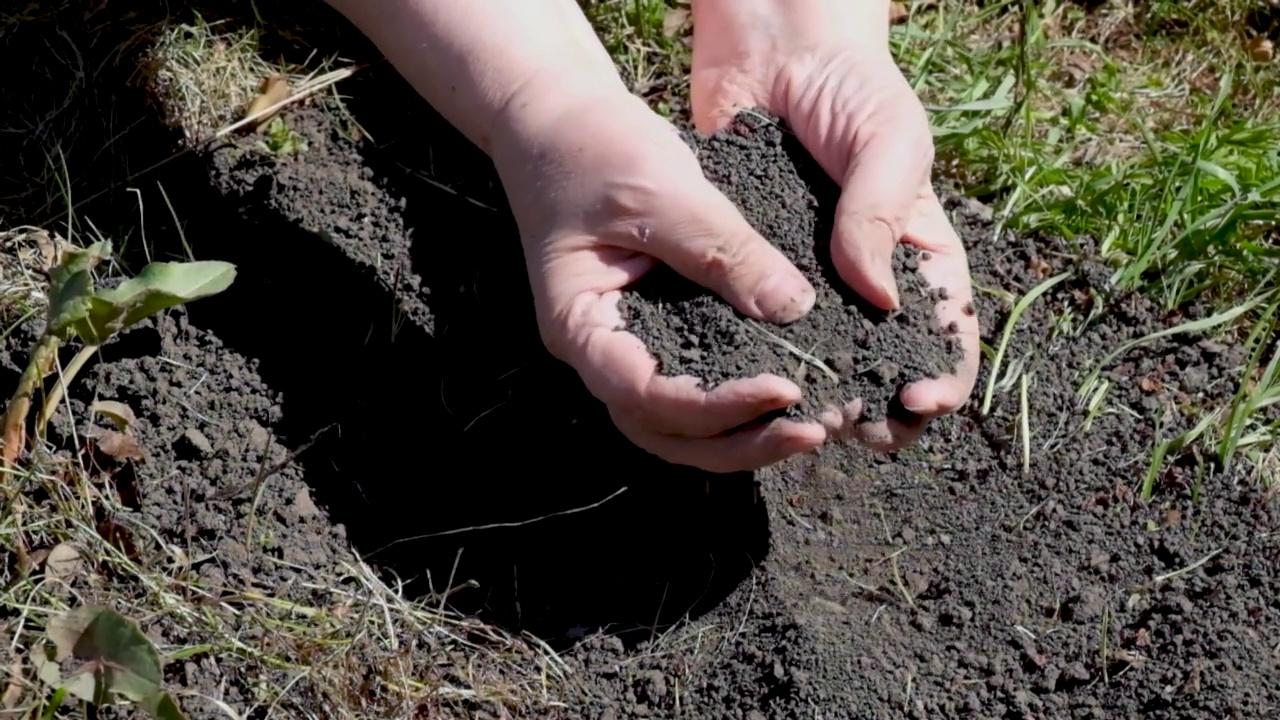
(476, 426)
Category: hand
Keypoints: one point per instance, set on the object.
(602, 188)
(825, 68)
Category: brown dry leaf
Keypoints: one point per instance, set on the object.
(1150, 385)
(119, 536)
(63, 561)
(1040, 267)
(1260, 49)
(274, 90)
(33, 559)
(13, 691)
(898, 13)
(120, 446)
(676, 20)
(50, 253)
(15, 432)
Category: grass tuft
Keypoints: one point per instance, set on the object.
(207, 76)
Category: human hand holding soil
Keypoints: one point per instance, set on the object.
(824, 67)
(603, 189)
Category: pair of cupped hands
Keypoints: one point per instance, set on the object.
(603, 188)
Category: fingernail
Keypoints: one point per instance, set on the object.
(785, 298)
(890, 289)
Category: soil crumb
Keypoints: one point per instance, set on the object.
(842, 350)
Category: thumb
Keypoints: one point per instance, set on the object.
(701, 235)
(880, 190)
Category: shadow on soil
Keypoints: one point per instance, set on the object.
(476, 426)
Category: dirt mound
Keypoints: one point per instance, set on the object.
(844, 348)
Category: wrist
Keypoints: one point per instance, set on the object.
(536, 123)
(794, 23)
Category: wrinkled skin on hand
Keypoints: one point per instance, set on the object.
(602, 191)
(827, 71)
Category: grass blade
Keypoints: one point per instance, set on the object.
(1018, 308)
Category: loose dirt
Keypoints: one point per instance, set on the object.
(844, 349)
(946, 581)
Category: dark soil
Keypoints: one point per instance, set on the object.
(861, 352)
(941, 582)
(948, 582)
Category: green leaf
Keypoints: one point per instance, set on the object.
(109, 643)
(71, 286)
(162, 706)
(160, 285)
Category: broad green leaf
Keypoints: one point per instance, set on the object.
(110, 643)
(71, 286)
(162, 706)
(160, 285)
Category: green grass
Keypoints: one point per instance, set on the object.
(1148, 130)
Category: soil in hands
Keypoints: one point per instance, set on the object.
(844, 348)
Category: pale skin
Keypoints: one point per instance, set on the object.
(603, 188)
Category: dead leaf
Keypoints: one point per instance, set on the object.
(120, 446)
(274, 90)
(115, 411)
(1040, 267)
(1260, 49)
(15, 432)
(676, 20)
(50, 254)
(119, 536)
(1150, 385)
(13, 691)
(34, 559)
(304, 505)
(63, 561)
(898, 13)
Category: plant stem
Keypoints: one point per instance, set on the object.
(15, 417)
(60, 387)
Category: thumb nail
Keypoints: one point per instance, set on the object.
(785, 297)
(890, 290)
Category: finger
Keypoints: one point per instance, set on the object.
(900, 429)
(891, 434)
(946, 267)
(747, 450)
(877, 197)
(702, 236)
(618, 369)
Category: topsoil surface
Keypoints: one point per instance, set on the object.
(945, 581)
(844, 349)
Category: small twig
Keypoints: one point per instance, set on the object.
(260, 481)
(498, 525)
(789, 347)
(1183, 571)
(1025, 425)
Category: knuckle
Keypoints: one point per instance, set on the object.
(721, 261)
